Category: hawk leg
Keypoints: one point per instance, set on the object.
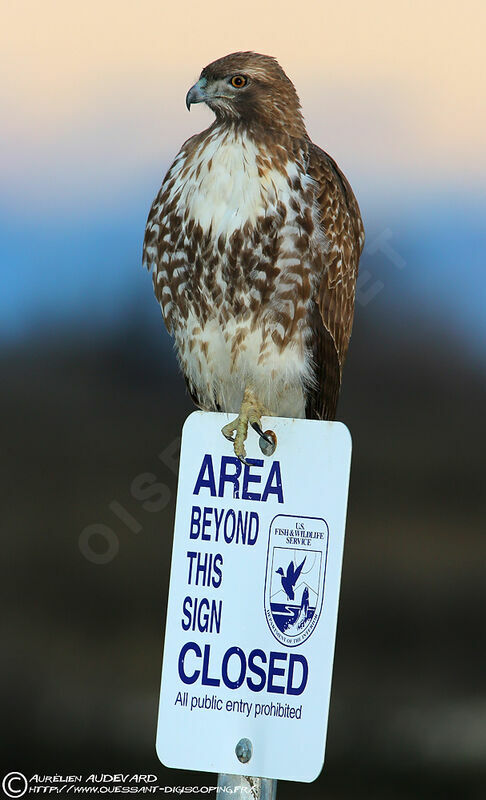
(250, 412)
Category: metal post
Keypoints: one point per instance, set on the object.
(243, 786)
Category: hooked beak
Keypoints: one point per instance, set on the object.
(196, 93)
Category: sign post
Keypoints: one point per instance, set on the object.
(252, 788)
(253, 602)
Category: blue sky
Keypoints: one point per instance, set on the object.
(95, 112)
(428, 252)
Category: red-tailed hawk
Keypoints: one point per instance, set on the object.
(254, 240)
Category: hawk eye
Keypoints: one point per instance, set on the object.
(238, 81)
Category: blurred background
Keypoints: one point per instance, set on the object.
(93, 113)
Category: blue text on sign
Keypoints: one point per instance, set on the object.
(242, 479)
(267, 677)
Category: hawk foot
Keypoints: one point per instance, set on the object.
(250, 413)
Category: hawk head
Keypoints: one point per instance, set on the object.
(251, 88)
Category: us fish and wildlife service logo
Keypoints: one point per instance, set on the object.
(295, 576)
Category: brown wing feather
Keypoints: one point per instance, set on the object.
(332, 316)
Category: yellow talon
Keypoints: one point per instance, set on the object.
(250, 412)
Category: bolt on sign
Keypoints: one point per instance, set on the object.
(253, 599)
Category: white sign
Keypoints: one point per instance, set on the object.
(253, 599)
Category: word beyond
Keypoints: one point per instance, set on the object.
(257, 676)
(235, 528)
